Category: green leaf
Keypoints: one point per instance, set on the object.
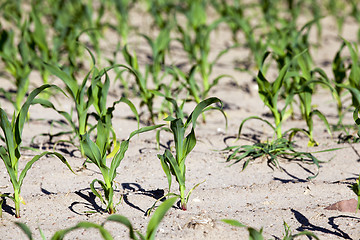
(118, 158)
(253, 117)
(199, 109)
(96, 193)
(66, 78)
(255, 234)
(234, 223)
(92, 151)
(20, 119)
(59, 235)
(123, 220)
(189, 143)
(158, 216)
(166, 168)
(47, 104)
(144, 129)
(36, 158)
(12, 147)
(180, 176)
(25, 229)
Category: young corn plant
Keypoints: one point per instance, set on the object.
(356, 186)
(339, 69)
(97, 153)
(159, 47)
(354, 76)
(70, 20)
(147, 95)
(231, 11)
(198, 49)
(279, 146)
(356, 189)
(333, 7)
(175, 165)
(122, 9)
(189, 83)
(350, 82)
(10, 152)
(80, 94)
(105, 234)
(90, 92)
(195, 39)
(306, 84)
(19, 68)
(100, 91)
(269, 93)
(162, 12)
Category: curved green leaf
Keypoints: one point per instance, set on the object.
(158, 216)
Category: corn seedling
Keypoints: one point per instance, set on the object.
(18, 68)
(341, 83)
(198, 47)
(96, 152)
(85, 95)
(10, 153)
(70, 20)
(287, 41)
(122, 9)
(183, 146)
(356, 186)
(269, 94)
(105, 115)
(356, 189)
(146, 95)
(159, 46)
(80, 94)
(339, 69)
(306, 84)
(333, 7)
(105, 234)
(354, 76)
(236, 10)
(162, 11)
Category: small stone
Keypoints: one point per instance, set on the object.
(344, 206)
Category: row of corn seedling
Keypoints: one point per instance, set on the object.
(27, 45)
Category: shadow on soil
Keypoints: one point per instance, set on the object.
(90, 203)
(135, 188)
(90, 200)
(6, 208)
(294, 179)
(306, 225)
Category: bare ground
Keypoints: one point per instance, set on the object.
(258, 197)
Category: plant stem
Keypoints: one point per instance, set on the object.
(111, 209)
(17, 203)
(183, 200)
(278, 127)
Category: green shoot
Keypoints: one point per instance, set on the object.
(269, 94)
(10, 153)
(356, 189)
(96, 152)
(183, 146)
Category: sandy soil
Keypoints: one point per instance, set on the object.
(258, 197)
